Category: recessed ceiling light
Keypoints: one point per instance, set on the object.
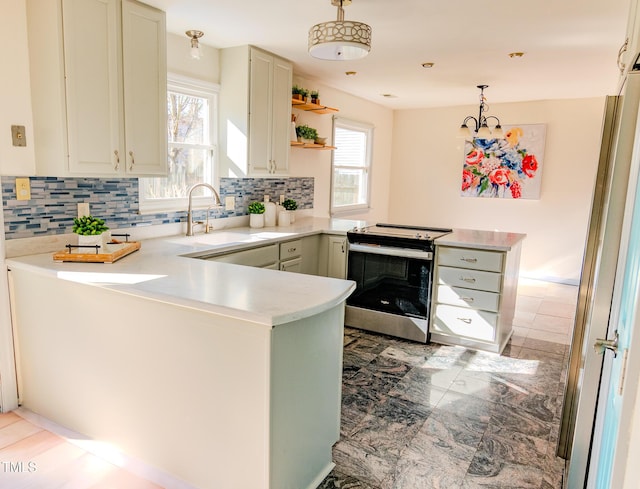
(350, 73)
(427, 65)
(516, 55)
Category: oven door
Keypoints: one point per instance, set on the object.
(391, 280)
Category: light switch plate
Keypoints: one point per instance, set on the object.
(23, 189)
(229, 203)
(83, 209)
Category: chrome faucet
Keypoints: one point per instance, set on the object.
(217, 202)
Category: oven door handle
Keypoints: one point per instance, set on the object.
(391, 251)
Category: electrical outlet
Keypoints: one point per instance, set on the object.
(23, 189)
(18, 136)
(83, 209)
(229, 203)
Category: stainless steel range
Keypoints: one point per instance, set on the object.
(392, 266)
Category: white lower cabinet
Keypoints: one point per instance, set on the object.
(474, 297)
(298, 255)
(262, 256)
(337, 259)
(292, 265)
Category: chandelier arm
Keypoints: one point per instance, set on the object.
(471, 118)
(493, 117)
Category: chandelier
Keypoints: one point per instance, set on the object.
(340, 39)
(481, 127)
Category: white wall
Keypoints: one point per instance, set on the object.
(317, 164)
(427, 168)
(15, 103)
(15, 90)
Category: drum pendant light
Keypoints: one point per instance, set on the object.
(340, 39)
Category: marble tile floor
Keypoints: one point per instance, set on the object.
(432, 416)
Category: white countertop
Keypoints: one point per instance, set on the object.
(164, 270)
(483, 240)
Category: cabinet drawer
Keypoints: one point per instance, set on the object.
(290, 249)
(293, 265)
(254, 257)
(460, 321)
(490, 261)
(469, 279)
(478, 299)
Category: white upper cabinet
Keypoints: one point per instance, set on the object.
(255, 112)
(631, 47)
(98, 87)
(145, 88)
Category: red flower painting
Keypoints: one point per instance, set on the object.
(505, 168)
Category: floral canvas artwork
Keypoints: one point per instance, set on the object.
(508, 168)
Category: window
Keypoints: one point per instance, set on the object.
(351, 165)
(191, 137)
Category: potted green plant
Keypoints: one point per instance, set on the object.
(297, 92)
(91, 231)
(290, 206)
(305, 94)
(315, 97)
(256, 214)
(306, 134)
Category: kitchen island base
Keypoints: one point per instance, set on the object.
(212, 399)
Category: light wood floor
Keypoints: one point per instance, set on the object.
(31, 457)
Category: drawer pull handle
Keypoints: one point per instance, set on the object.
(467, 299)
(291, 250)
(469, 260)
(470, 280)
(465, 320)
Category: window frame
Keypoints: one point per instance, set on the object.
(202, 89)
(368, 129)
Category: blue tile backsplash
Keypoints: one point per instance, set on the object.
(54, 202)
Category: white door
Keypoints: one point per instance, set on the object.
(616, 405)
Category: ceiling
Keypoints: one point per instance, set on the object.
(570, 46)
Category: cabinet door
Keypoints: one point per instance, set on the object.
(337, 263)
(263, 256)
(92, 78)
(269, 113)
(294, 265)
(145, 88)
(281, 116)
(260, 110)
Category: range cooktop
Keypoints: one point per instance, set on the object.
(399, 235)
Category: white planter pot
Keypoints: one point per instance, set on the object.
(100, 240)
(256, 220)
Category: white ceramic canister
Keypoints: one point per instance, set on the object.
(269, 214)
(284, 218)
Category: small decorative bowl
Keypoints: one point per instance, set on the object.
(321, 141)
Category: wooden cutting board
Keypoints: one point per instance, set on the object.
(115, 251)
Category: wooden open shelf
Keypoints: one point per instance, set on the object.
(298, 144)
(314, 108)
